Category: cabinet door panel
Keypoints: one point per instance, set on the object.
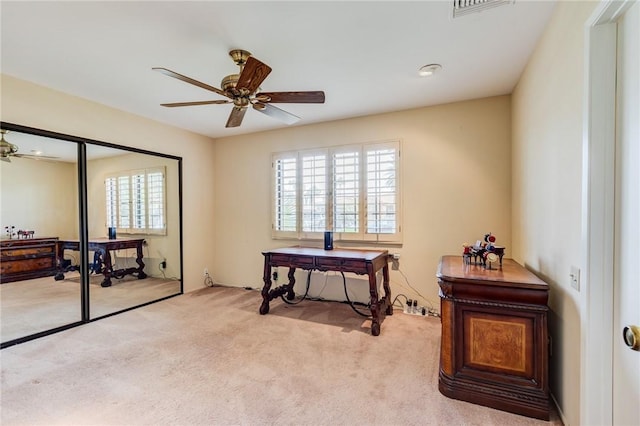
(498, 343)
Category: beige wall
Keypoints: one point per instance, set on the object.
(548, 107)
(456, 186)
(461, 177)
(35, 106)
(39, 196)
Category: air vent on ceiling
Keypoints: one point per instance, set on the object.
(465, 7)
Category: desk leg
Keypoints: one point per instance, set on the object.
(141, 274)
(59, 260)
(387, 289)
(379, 307)
(268, 294)
(264, 308)
(376, 315)
(107, 267)
(289, 287)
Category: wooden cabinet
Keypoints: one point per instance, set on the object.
(494, 347)
(26, 259)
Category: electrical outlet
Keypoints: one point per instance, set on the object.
(206, 271)
(163, 264)
(395, 265)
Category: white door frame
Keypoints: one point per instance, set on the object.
(598, 177)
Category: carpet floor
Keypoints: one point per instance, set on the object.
(40, 304)
(208, 358)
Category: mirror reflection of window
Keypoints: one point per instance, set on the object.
(133, 214)
(136, 201)
(133, 224)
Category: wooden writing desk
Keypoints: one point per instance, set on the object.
(102, 247)
(361, 262)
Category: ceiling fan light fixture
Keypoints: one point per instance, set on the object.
(429, 70)
(243, 89)
(6, 148)
(239, 56)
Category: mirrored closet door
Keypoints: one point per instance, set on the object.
(90, 229)
(134, 227)
(39, 207)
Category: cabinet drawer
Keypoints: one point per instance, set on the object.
(291, 261)
(26, 265)
(346, 265)
(25, 252)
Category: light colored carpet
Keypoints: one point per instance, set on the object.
(209, 358)
(40, 304)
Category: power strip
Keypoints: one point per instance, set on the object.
(419, 312)
(412, 308)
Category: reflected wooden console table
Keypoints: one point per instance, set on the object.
(27, 258)
(361, 262)
(494, 348)
(102, 247)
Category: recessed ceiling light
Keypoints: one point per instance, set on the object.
(36, 152)
(428, 70)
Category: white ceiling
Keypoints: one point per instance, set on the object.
(364, 55)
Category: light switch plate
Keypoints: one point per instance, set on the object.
(575, 277)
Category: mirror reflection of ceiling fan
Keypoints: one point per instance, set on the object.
(243, 89)
(8, 150)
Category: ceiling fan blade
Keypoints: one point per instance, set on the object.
(252, 75)
(181, 104)
(35, 157)
(189, 80)
(276, 112)
(236, 116)
(316, 97)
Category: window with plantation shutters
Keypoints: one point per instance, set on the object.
(346, 192)
(314, 192)
(381, 172)
(285, 194)
(351, 190)
(135, 201)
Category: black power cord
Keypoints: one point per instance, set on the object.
(346, 293)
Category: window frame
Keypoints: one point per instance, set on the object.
(130, 176)
(363, 195)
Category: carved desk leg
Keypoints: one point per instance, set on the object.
(141, 274)
(107, 267)
(266, 277)
(289, 287)
(59, 262)
(375, 302)
(269, 294)
(387, 289)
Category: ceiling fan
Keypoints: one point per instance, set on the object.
(243, 89)
(7, 150)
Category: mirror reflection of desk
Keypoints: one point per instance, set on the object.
(102, 248)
